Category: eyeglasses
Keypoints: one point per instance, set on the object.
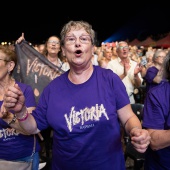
(54, 42)
(123, 47)
(84, 39)
(161, 56)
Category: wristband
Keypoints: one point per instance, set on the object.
(24, 117)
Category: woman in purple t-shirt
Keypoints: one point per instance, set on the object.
(15, 144)
(154, 73)
(156, 119)
(85, 107)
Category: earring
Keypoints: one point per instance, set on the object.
(9, 72)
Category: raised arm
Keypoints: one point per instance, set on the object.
(14, 100)
(20, 39)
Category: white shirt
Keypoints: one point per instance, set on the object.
(129, 81)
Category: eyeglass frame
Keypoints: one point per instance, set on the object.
(53, 42)
(161, 56)
(122, 47)
(75, 39)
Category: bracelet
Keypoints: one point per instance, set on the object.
(13, 120)
(24, 117)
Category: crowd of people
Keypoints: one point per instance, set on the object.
(130, 63)
(87, 105)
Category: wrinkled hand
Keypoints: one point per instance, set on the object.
(14, 99)
(20, 39)
(137, 69)
(140, 139)
(126, 68)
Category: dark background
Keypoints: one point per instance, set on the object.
(112, 20)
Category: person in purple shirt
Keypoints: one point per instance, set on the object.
(156, 119)
(85, 107)
(153, 74)
(15, 144)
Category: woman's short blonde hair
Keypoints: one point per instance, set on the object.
(77, 25)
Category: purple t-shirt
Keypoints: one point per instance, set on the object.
(157, 116)
(150, 75)
(14, 145)
(85, 121)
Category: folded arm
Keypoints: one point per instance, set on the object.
(159, 138)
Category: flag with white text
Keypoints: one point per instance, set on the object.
(33, 68)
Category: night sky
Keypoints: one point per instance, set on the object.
(112, 21)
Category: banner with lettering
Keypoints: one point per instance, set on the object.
(33, 68)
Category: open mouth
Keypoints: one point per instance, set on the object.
(78, 51)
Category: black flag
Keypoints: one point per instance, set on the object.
(33, 68)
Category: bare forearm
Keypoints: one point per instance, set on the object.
(28, 123)
(122, 76)
(131, 123)
(128, 119)
(159, 139)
